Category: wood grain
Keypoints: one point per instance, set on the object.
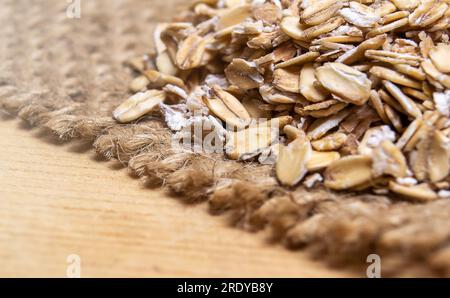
(59, 199)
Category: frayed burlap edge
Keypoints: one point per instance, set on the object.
(412, 239)
(56, 76)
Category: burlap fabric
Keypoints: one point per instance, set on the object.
(67, 75)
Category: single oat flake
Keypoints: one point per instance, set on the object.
(346, 95)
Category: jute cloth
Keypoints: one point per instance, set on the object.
(67, 75)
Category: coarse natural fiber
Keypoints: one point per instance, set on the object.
(67, 75)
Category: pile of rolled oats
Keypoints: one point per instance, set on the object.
(360, 90)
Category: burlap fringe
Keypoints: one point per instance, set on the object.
(412, 239)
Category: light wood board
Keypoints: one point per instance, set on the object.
(62, 199)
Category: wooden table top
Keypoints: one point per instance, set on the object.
(60, 200)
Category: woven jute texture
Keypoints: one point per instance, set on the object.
(67, 75)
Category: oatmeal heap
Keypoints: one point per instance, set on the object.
(359, 90)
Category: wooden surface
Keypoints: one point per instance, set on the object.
(60, 199)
